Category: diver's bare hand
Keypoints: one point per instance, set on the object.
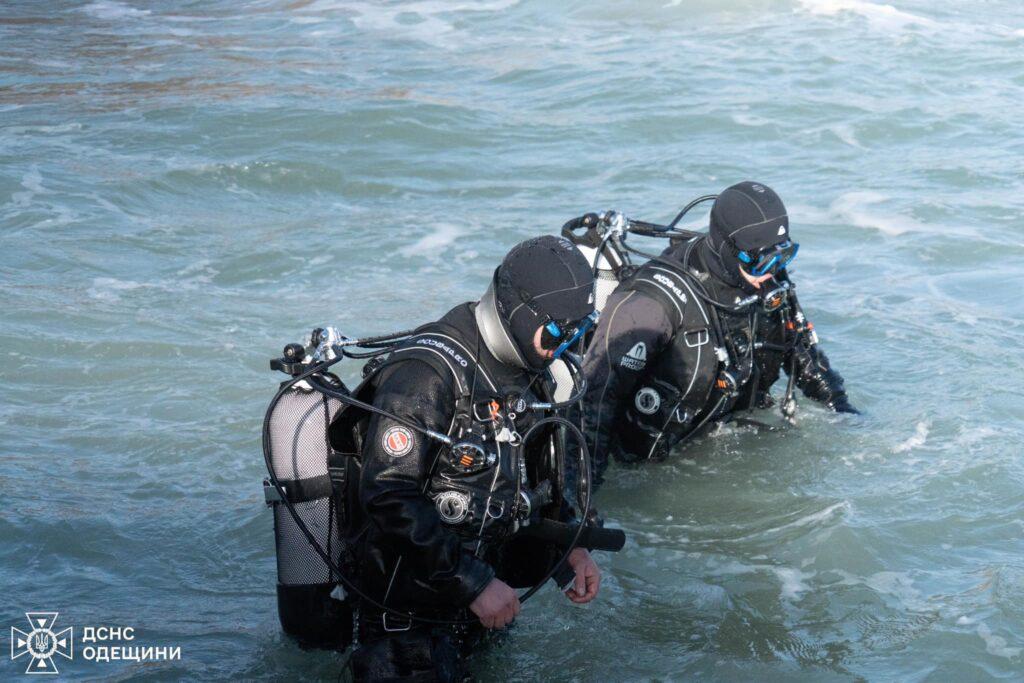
(588, 577)
(497, 605)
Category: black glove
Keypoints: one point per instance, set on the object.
(841, 404)
(820, 382)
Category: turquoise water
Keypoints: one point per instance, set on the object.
(187, 186)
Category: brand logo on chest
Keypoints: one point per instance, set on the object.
(635, 358)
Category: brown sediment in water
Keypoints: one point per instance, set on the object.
(120, 95)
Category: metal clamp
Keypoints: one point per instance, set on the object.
(702, 337)
(394, 629)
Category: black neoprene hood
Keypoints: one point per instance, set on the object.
(750, 215)
(541, 279)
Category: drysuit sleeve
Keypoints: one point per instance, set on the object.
(396, 463)
(633, 330)
(814, 374)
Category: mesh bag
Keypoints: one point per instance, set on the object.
(298, 564)
(298, 434)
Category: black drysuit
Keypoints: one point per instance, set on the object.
(663, 362)
(405, 555)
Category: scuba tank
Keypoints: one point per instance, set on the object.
(310, 602)
(603, 250)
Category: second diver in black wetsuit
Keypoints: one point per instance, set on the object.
(701, 332)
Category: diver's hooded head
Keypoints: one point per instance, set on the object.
(746, 217)
(540, 280)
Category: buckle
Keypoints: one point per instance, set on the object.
(396, 628)
(701, 337)
(270, 494)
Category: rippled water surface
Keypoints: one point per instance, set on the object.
(186, 186)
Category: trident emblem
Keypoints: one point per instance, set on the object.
(41, 643)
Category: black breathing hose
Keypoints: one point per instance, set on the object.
(686, 209)
(584, 504)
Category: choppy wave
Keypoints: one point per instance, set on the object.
(879, 15)
(185, 188)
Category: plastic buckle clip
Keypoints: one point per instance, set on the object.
(270, 494)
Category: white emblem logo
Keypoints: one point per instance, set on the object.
(41, 643)
(667, 281)
(453, 506)
(782, 229)
(444, 347)
(636, 358)
(397, 441)
(647, 401)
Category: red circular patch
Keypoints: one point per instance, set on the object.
(397, 441)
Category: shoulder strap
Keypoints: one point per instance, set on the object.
(443, 348)
(669, 285)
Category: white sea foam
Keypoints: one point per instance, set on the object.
(807, 212)
(966, 318)
(885, 17)
(199, 273)
(749, 120)
(853, 207)
(109, 289)
(996, 645)
(812, 519)
(844, 132)
(32, 181)
(816, 517)
(432, 243)
(978, 436)
(111, 10)
(898, 585)
(321, 259)
(793, 581)
(54, 129)
(919, 437)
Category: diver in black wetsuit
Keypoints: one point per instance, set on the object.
(432, 533)
(702, 332)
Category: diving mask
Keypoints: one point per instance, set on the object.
(770, 260)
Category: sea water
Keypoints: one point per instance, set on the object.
(187, 186)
